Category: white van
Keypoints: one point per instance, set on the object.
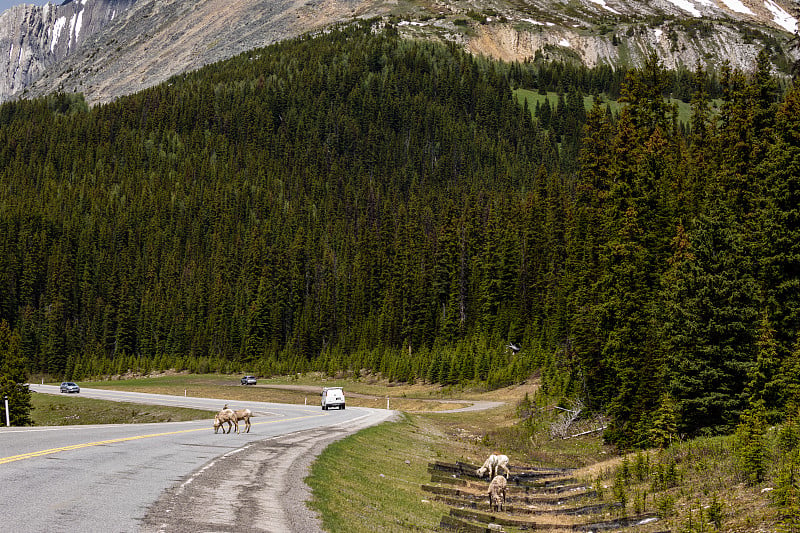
(332, 397)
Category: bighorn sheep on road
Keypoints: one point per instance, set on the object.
(243, 414)
(226, 416)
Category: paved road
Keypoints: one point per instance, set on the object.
(469, 405)
(169, 477)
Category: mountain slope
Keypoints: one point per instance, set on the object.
(106, 48)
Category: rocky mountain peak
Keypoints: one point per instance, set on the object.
(107, 48)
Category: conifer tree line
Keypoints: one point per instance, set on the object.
(355, 201)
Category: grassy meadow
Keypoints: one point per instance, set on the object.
(72, 409)
(533, 97)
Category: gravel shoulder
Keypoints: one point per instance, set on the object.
(257, 488)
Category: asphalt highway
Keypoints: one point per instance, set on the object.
(161, 477)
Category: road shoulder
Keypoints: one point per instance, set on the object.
(258, 487)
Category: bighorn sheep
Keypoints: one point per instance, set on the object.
(493, 464)
(497, 493)
(243, 414)
(226, 416)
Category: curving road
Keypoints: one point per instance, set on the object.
(169, 477)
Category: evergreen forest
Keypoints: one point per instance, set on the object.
(353, 201)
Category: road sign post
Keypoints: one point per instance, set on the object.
(8, 415)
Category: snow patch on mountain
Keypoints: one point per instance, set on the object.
(56, 32)
(603, 4)
(781, 17)
(79, 24)
(737, 6)
(537, 23)
(687, 6)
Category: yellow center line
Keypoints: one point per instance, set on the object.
(30, 455)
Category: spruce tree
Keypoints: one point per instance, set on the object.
(709, 326)
(587, 235)
(625, 313)
(751, 447)
(663, 430)
(764, 381)
(779, 224)
(13, 379)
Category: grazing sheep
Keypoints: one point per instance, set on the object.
(493, 464)
(226, 416)
(243, 414)
(497, 493)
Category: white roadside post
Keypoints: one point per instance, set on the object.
(8, 415)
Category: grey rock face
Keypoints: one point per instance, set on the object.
(35, 38)
(152, 40)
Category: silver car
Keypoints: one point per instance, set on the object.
(69, 386)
